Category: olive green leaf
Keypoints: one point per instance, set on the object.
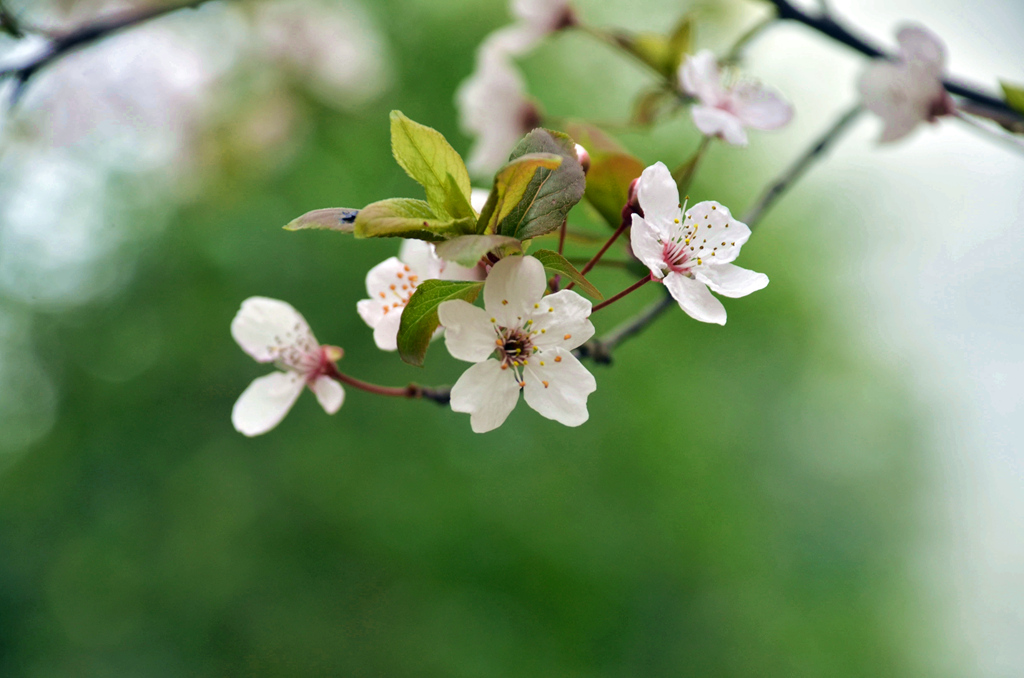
(419, 317)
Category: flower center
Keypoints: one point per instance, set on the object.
(514, 345)
(675, 257)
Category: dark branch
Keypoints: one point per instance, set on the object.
(826, 25)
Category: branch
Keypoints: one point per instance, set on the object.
(826, 25)
(62, 45)
(797, 169)
(600, 350)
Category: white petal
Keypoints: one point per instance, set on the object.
(329, 394)
(264, 403)
(760, 107)
(643, 239)
(371, 311)
(718, 236)
(385, 332)
(558, 390)
(513, 286)
(901, 96)
(561, 319)
(469, 334)
(493, 108)
(659, 196)
(730, 280)
(543, 15)
(487, 393)
(714, 122)
(921, 46)
(272, 330)
(389, 284)
(695, 298)
(419, 256)
(700, 77)
(478, 198)
(514, 40)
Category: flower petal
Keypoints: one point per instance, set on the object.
(420, 257)
(558, 389)
(730, 280)
(487, 393)
(644, 241)
(469, 334)
(920, 46)
(329, 394)
(385, 332)
(900, 95)
(695, 298)
(659, 197)
(700, 77)
(478, 198)
(272, 330)
(493, 107)
(513, 286)
(714, 122)
(760, 107)
(718, 237)
(264, 403)
(561, 319)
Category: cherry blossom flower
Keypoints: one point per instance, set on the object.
(690, 253)
(909, 90)
(520, 340)
(392, 283)
(725, 111)
(536, 19)
(271, 331)
(493, 107)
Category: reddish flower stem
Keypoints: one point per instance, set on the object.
(414, 391)
(561, 236)
(626, 221)
(635, 286)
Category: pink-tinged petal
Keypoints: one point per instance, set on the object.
(543, 15)
(695, 298)
(730, 280)
(714, 122)
(469, 334)
(385, 332)
(487, 393)
(558, 388)
(562, 319)
(644, 241)
(900, 95)
(920, 46)
(700, 77)
(659, 197)
(760, 107)
(329, 394)
(493, 108)
(272, 330)
(717, 236)
(264, 403)
(514, 40)
(419, 256)
(513, 286)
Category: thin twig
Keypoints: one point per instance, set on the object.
(796, 170)
(629, 290)
(1014, 142)
(87, 34)
(825, 24)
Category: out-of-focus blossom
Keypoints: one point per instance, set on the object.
(521, 340)
(271, 331)
(535, 20)
(908, 91)
(693, 253)
(724, 111)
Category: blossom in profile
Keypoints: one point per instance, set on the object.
(271, 331)
(520, 341)
(535, 20)
(726, 111)
(392, 283)
(493, 108)
(690, 250)
(908, 90)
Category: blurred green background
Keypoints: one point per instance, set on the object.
(744, 501)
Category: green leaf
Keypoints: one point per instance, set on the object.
(1014, 96)
(680, 43)
(651, 48)
(332, 219)
(556, 263)
(510, 184)
(550, 194)
(419, 318)
(428, 158)
(608, 184)
(649, 105)
(467, 250)
(407, 218)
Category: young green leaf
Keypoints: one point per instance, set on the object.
(332, 219)
(407, 218)
(467, 250)
(608, 184)
(556, 263)
(510, 184)
(1014, 96)
(428, 158)
(550, 194)
(680, 43)
(419, 318)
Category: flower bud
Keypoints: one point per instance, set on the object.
(583, 157)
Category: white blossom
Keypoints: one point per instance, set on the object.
(535, 20)
(520, 340)
(909, 90)
(392, 283)
(690, 252)
(271, 331)
(724, 111)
